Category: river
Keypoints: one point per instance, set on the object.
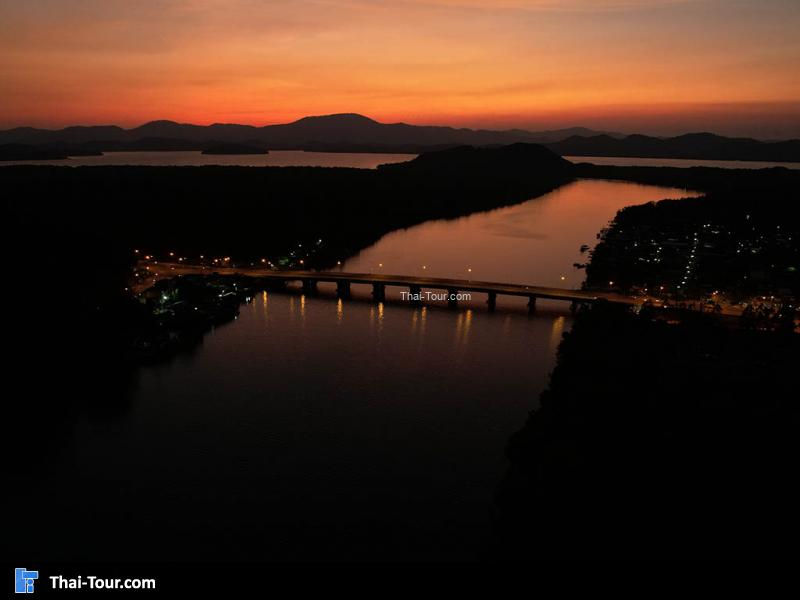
(311, 428)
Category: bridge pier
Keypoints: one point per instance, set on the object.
(415, 292)
(343, 289)
(310, 280)
(492, 301)
(451, 298)
(310, 286)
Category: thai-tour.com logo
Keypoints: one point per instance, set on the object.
(25, 581)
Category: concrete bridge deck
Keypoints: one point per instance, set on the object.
(310, 279)
(438, 283)
(414, 283)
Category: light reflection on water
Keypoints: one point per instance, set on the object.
(313, 427)
(536, 242)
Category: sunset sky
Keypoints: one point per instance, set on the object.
(652, 66)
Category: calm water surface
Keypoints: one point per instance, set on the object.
(297, 158)
(623, 161)
(276, 158)
(314, 428)
(535, 242)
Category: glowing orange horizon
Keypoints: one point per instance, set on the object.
(645, 65)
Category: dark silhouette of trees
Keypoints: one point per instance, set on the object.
(658, 441)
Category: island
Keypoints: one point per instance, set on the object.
(16, 152)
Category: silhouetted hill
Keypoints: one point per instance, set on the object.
(28, 152)
(556, 135)
(68, 135)
(13, 152)
(356, 133)
(691, 145)
(340, 132)
(508, 163)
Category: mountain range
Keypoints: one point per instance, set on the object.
(333, 130)
(706, 146)
(357, 133)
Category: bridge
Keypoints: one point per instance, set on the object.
(379, 282)
(451, 287)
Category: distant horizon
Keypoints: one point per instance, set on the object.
(499, 127)
(656, 67)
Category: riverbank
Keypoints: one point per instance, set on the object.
(657, 441)
(724, 250)
(658, 437)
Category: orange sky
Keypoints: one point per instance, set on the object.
(659, 66)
